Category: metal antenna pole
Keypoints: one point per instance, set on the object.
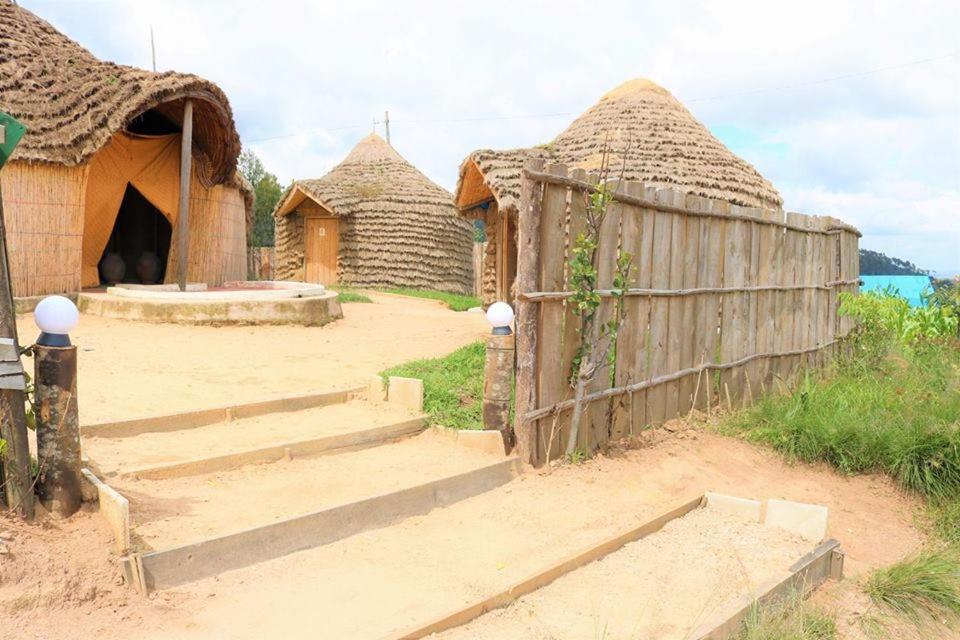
(386, 121)
(153, 50)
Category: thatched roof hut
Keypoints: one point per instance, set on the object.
(651, 134)
(373, 221)
(99, 169)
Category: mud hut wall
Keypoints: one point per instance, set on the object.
(290, 252)
(43, 211)
(725, 303)
(401, 244)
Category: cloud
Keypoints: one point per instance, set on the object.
(783, 84)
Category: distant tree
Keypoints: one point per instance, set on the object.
(267, 189)
(874, 263)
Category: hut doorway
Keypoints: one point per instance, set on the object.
(139, 243)
(321, 246)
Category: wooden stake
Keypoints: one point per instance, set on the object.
(183, 220)
(58, 430)
(15, 470)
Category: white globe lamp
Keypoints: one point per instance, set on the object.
(500, 317)
(56, 316)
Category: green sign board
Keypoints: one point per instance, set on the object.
(11, 130)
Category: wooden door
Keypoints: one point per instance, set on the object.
(322, 243)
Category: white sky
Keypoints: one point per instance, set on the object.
(852, 109)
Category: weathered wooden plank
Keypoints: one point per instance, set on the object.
(638, 408)
(691, 263)
(734, 308)
(631, 331)
(766, 300)
(529, 222)
(551, 380)
(799, 339)
(713, 276)
(607, 250)
(676, 330)
(752, 375)
(659, 308)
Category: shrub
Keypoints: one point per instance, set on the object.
(922, 588)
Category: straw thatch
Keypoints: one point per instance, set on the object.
(72, 103)
(397, 228)
(65, 183)
(668, 147)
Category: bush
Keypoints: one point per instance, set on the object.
(925, 587)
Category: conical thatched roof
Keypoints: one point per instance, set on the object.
(668, 147)
(72, 103)
(400, 229)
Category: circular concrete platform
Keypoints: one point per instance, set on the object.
(234, 303)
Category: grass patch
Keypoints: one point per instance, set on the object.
(452, 300)
(794, 620)
(901, 416)
(923, 588)
(452, 386)
(346, 294)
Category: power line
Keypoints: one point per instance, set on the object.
(545, 116)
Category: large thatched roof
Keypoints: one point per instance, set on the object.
(72, 103)
(668, 147)
(401, 229)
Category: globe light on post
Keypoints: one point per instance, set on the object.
(56, 316)
(500, 317)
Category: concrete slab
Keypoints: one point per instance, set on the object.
(486, 441)
(805, 520)
(741, 507)
(406, 392)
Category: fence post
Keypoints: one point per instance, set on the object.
(528, 273)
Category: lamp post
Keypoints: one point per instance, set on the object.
(498, 373)
(58, 430)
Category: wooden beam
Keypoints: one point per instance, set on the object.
(528, 278)
(15, 468)
(183, 217)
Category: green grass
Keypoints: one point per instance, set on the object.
(923, 588)
(347, 294)
(793, 620)
(452, 300)
(901, 416)
(452, 386)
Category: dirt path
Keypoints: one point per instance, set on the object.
(385, 580)
(138, 369)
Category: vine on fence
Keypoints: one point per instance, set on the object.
(597, 347)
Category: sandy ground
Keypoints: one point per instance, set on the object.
(122, 455)
(137, 369)
(169, 513)
(643, 591)
(382, 581)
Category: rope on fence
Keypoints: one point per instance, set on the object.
(581, 185)
(646, 384)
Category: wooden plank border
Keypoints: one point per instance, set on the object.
(542, 578)
(808, 573)
(191, 562)
(338, 442)
(204, 417)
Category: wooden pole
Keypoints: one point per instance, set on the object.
(183, 219)
(386, 122)
(58, 428)
(497, 379)
(528, 279)
(15, 474)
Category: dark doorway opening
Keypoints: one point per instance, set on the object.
(139, 244)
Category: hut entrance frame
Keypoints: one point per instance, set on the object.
(321, 247)
(139, 228)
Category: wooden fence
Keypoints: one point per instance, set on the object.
(723, 302)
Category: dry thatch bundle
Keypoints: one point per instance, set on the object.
(648, 132)
(72, 103)
(396, 227)
(95, 130)
(668, 147)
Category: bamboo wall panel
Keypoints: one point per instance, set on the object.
(723, 302)
(43, 207)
